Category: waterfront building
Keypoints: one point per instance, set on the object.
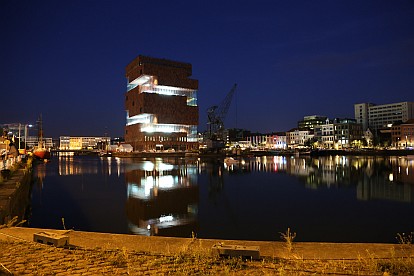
(309, 122)
(378, 117)
(79, 143)
(402, 134)
(257, 140)
(278, 141)
(325, 134)
(274, 140)
(296, 138)
(339, 133)
(161, 105)
(347, 131)
(33, 141)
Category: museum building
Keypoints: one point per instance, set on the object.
(161, 105)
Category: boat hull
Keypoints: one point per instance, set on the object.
(41, 153)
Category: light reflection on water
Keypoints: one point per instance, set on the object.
(334, 198)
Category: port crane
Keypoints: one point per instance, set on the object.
(216, 116)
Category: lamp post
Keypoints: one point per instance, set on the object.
(25, 136)
(20, 138)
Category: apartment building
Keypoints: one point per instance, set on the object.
(376, 117)
(161, 105)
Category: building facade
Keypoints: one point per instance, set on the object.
(309, 122)
(78, 143)
(269, 141)
(325, 134)
(402, 134)
(161, 105)
(339, 133)
(378, 117)
(296, 138)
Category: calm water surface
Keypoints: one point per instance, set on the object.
(331, 199)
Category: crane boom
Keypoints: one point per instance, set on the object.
(217, 115)
(225, 105)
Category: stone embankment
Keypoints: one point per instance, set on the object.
(115, 254)
(14, 191)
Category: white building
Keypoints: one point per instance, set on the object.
(125, 148)
(381, 116)
(78, 143)
(32, 141)
(328, 135)
(296, 138)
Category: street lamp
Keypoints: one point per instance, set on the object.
(20, 137)
(25, 136)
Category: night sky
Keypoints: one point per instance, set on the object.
(66, 59)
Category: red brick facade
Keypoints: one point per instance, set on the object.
(165, 109)
(402, 134)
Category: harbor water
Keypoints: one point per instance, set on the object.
(322, 199)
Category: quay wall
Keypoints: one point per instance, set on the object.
(271, 153)
(171, 245)
(14, 191)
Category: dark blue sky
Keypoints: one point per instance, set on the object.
(66, 59)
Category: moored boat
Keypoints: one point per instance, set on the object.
(230, 161)
(40, 151)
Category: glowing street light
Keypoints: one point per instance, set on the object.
(25, 136)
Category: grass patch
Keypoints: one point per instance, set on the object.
(288, 238)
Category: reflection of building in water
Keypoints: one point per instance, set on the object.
(40, 174)
(69, 165)
(266, 164)
(299, 167)
(388, 178)
(162, 199)
(314, 171)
